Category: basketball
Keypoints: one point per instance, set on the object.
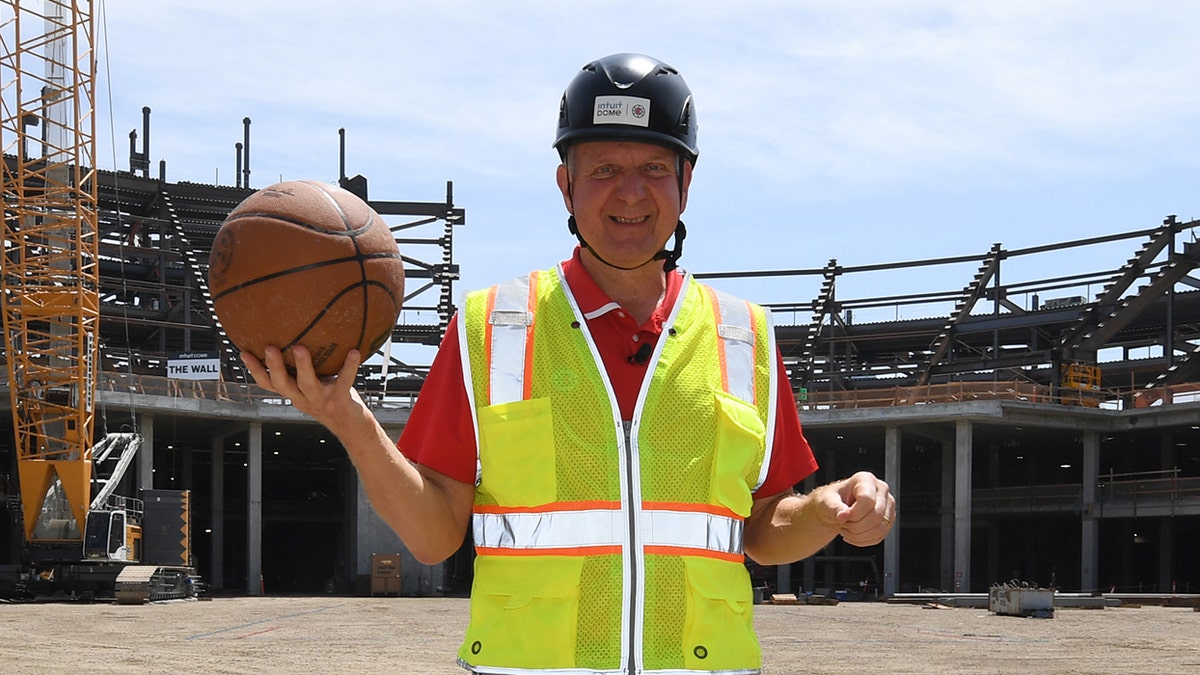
(306, 263)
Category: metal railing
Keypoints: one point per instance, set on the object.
(1143, 488)
(953, 392)
(1054, 497)
(1147, 487)
(957, 392)
(220, 390)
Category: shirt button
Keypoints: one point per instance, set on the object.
(635, 337)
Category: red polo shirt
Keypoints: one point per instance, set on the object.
(440, 433)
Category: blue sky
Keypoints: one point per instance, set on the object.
(869, 131)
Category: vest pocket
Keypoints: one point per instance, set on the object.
(524, 612)
(516, 452)
(741, 440)
(718, 629)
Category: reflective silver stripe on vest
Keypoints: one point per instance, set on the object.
(606, 527)
(510, 318)
(692, 530)
(738, 336)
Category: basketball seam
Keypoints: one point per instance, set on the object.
(366, 283)
(359, 258)
(301, 223)
(338, 207)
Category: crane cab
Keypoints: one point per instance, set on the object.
(113, 535)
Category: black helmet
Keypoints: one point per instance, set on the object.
(628, 97)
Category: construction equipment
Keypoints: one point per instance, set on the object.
(1018, 598)
(1081, 385)
(79, 538)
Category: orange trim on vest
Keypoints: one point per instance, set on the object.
(711, 509)
(654, 549)
(569, 551)
(716, 309)
(531, 307)
(551, 507)
(754, 346)
(599, 505)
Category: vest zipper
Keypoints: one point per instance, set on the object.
(635, 553)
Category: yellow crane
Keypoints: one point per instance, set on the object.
(51, 299)
(49, 296)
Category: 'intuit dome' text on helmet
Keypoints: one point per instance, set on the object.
(628, 97)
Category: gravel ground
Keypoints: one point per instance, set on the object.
(335, 634)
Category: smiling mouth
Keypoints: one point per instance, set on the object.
(630, 221)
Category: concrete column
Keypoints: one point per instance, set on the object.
(1089, 554)
(145, 456)
(217, 536)
(254, 585)
(962, 506)
(891, 545)
(946, 512)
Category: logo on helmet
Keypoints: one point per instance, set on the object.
(630, 110)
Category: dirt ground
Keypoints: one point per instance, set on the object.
(334, 634)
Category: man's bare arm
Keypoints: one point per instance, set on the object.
(428, 510)
(790, 527)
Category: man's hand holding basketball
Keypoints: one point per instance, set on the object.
(332, 401)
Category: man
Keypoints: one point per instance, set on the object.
(618, 435)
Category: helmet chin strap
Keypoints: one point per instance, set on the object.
(671, 257)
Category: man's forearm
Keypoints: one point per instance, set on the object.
(787, 528)
(427, 510)
(792, 527)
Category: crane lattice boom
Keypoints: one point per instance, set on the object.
(49, 282)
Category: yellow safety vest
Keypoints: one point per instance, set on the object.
(603, 545)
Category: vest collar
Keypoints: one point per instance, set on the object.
(594, 302)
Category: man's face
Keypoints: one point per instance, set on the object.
(625, 197)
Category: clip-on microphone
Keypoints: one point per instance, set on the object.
(642, 355)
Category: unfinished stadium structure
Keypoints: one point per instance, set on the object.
(1034, 427)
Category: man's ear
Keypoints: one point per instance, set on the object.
(563, 178)
(684, 184)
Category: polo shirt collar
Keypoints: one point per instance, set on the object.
(594, 302)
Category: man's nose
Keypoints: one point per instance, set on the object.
(632, 187)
